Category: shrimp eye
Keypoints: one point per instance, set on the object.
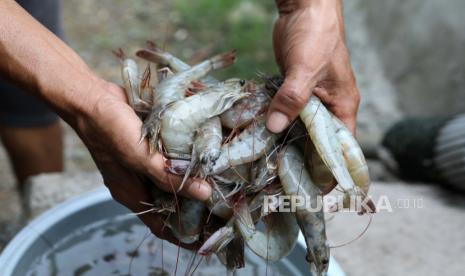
(204, 160)
(242, 82)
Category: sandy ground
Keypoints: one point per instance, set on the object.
(426, 239)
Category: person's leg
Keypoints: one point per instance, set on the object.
(33, 150)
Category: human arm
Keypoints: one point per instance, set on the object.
(41, 63)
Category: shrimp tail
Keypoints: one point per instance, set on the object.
(154, 55)
(235, 254)
(223, 60)
(367, 205)
(218, 241)
(244, 221)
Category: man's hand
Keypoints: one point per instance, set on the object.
(310, 50)
(111, 131)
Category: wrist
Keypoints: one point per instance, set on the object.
(74, 95)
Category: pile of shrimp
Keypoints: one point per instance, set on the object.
(215, 130)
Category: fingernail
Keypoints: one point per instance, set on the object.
(277, 122)
(202, 190)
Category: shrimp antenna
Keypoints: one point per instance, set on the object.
(357, 237)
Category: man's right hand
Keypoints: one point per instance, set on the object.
(310, 50)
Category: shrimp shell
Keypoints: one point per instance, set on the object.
(356, 162)
(164, 58)
(132, 86)
(274, 243)
(174, 88)
(321, 129)
(183, 118)
(245, 110)
(207, 143)
(296, 181)
(187, 224)
(250, 145)
(263, 173)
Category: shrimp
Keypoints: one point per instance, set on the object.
(187, 224)
(158, 56)
(218, 240)
(322, 132)
(251, 144)
(163, 202)
(206, 148)
(319, 172)
(218, 202)
(237, 175)
(295, 181)
(207, 144)
(173, 89)
(356, 163)
(232, 256)
(263, 173)
(132, 83)
(182, 118)
(228, 246)
(146, 89)
(276, 242)
(245, 110)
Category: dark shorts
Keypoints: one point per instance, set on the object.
(17, 108)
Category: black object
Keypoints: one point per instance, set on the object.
(411, 143)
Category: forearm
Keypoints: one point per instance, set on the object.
(41, 63)
(287, 6)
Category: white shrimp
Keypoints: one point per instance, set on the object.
(207, 144)
(160, 57)
(356, 164)
(321, 129)
(245, 110)
(276, 242)
(182, 119)
(250, 145)
(187, 224)
(174, 88)
(132, 83)
(295, 181)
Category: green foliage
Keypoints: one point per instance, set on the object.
(243, 25)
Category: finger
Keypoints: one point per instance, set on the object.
(290, 99)
(193, 188)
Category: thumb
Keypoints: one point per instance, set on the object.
(290, 99)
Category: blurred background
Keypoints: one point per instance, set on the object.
(409, 60)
